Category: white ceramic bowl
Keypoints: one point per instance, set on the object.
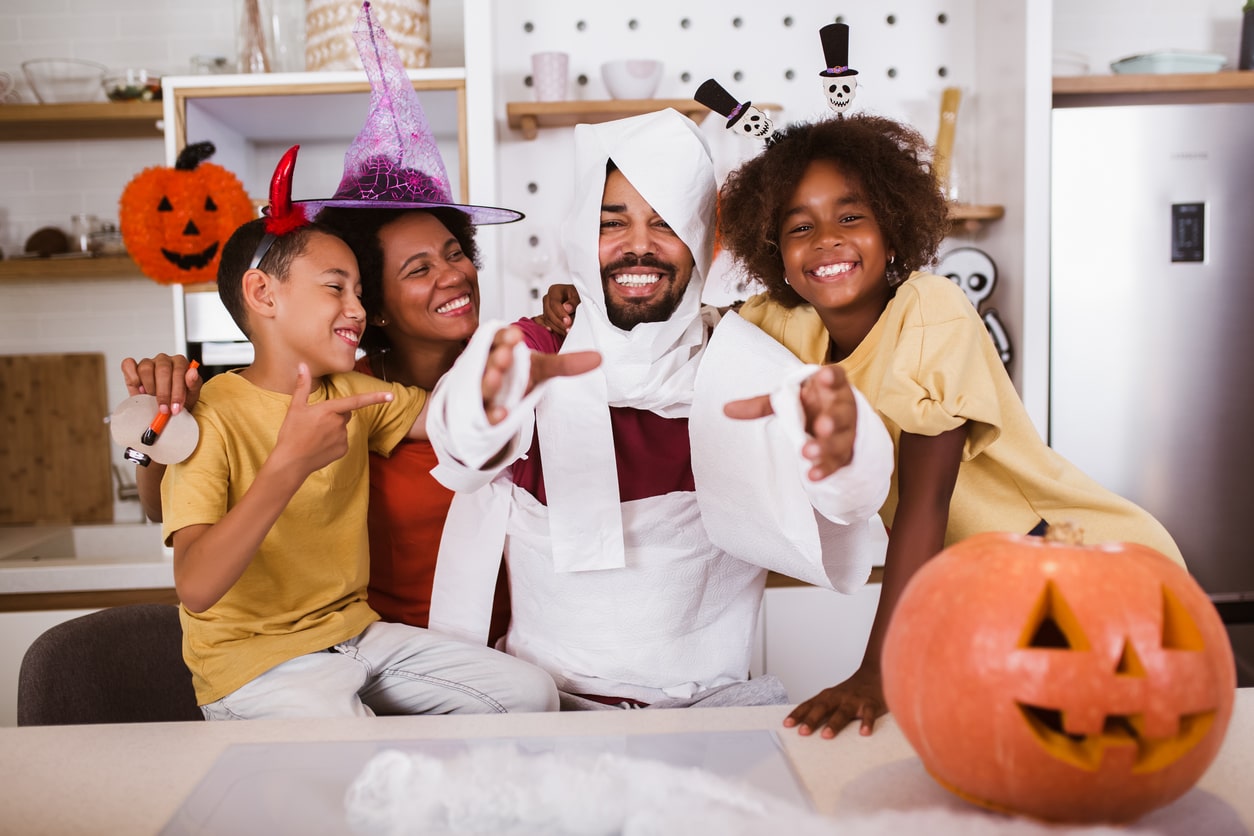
(61, 80)
(633, 78)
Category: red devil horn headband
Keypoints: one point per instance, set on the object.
(282, 216)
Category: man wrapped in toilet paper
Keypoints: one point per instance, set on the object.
(638, 521)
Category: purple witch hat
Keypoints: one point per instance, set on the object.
(393, 162)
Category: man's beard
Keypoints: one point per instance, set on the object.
(628, 313)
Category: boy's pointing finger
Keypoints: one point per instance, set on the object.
(349, 403)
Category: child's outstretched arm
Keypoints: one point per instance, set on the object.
(209, 559)
(176, 386)
(831, 415)
(542, 367)
(927, 468)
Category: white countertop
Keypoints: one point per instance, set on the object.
(75, 574)
(83, 558)
(133, 778)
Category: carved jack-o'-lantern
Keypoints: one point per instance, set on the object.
(1064, 682)
(175, 221)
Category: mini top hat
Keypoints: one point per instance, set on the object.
(394, 163)
(755, 123)
(714, 96)
(835, 38)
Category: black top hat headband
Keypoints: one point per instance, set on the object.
(742, 117)
(840, 83)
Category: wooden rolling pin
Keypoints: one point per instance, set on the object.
(942, 155)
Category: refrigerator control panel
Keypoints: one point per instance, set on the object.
(1188, 228)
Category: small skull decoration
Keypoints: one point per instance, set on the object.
(742, 117)
(755, 123)
(840, 92)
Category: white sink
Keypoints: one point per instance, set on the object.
(61, 558)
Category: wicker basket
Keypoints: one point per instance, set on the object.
(329, 32)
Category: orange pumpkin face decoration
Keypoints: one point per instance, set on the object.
(1063, 682)
(175, 221)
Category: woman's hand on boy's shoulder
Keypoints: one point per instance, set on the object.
(170, 378)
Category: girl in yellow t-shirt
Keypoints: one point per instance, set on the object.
(834, 218)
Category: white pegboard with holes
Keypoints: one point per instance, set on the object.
(906, 54)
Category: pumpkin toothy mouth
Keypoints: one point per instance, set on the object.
(191, 261)
(1087, 750)
(1054, 627)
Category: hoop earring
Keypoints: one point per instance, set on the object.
(892, 272)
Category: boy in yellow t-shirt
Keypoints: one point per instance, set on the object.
(268, 516)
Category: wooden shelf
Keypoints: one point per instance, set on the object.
(1153, 88)
(970, 217)
(96, 120)
(98, 267)
(529, 117)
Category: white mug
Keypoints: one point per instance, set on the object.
(549, 72)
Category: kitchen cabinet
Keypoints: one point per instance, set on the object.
(814, 638)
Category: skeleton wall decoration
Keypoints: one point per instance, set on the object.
(974, 272)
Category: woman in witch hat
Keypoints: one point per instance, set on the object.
(419, 263)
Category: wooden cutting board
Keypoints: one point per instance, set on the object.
(54, 444)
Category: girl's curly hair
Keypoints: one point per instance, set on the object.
(892, 164)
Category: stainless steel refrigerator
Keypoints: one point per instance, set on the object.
(1152, 326)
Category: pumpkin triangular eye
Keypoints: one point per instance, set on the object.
(1129, 662)
(1052, 624)
(210, 206)
(1180, 632)
(164, 205)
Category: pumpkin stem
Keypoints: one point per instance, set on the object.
(193, 155)
(1065, 532)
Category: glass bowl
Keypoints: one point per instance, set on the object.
(62, 80)
(133, 85)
